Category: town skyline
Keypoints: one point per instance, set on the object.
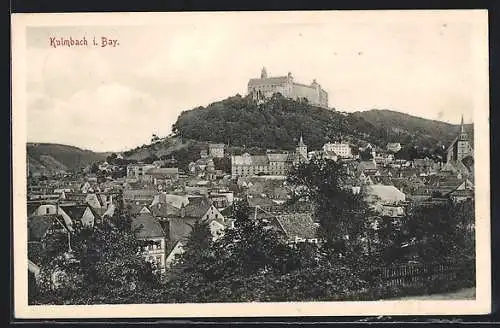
(422, 64)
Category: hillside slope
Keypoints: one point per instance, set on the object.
(279, 123)
(407, 128)
(46, 158)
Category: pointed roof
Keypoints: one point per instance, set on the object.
(462, 124)
(151, 228)
(301, 141)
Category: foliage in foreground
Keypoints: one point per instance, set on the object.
(254, 262)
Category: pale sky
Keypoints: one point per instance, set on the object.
(112, 99)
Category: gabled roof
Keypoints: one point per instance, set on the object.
(164, 210)
(174, 200)
(139, 193)
(151, 228)
(75, 212)
(299, 225)
(384, 194)
(76, 196)
(260, 201)
(197, 207)
(462, 193)
(38, 225)
(366, 165)
(385, 180)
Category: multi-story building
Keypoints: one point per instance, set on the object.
(138, 170)
(264, 87)
(269, 164)
(150, 230)
(216, 150)
(342, 150)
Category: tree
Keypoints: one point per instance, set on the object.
(104, 266)
(111, 158)
(366, 155)
(343, 216)
(219, 270)
(442, 230)
(94, 168)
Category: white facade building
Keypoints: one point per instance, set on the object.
(341, 149)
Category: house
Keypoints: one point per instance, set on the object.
(383, 194)
(83, 215)
(177, 250)
(216, 150)
(138, 170)
(172, 199)
(143, 196)
(161, 175)
(49, 209)
(463, 192)
(366, 166)
(297, 227)
(182, 223)
(342, 150)
(40, 227)
(200, 209)
(98, 201)
(151, 231)
(264, 203)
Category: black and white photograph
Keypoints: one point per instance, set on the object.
(251, 163)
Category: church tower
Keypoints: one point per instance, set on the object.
(302, 148)
(464, 148)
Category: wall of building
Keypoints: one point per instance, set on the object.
(156, 253)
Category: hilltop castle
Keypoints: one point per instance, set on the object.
(265, 87)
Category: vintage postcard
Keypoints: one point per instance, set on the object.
(232, 164)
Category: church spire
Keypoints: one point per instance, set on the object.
(301, 141)
(463, 134)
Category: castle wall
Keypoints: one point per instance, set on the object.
(267, 90)
(267, 86)
(303, 91)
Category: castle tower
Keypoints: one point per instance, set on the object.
(302, 148)
(263, 74)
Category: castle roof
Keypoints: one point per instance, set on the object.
(268, 80)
